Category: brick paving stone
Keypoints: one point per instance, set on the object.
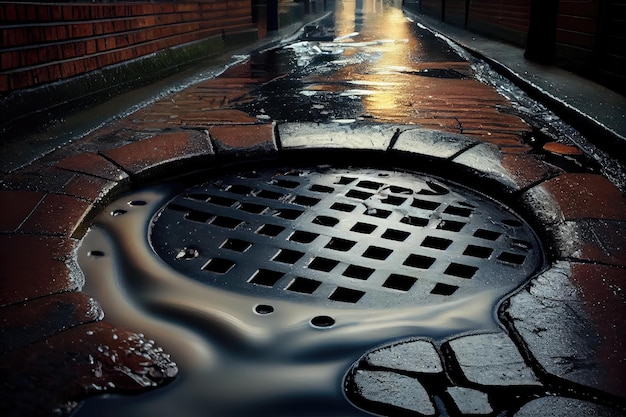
(244, 138)
(564, 407)
(434, 143)
(561, 149)
(418, 356)
(92, 164)
(70, 365)
(16, 206)
(393, 389)
(37, 177)
(88, 187)
(602, 241)
(45, 218)
(32, 321)
(470, 401)
(335, 136)
(140, 156)
(33, 266)
(492, 360)
(216, 117)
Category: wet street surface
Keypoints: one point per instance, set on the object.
(362, 220)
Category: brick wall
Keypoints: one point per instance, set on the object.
(505, 19)
(46, 42)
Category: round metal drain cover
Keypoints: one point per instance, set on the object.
(356, 238)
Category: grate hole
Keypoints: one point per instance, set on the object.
(414, 221)
(394, 201)
(289, 214)
(270, 195)
(370, 185)
(460, 270)
(252, 208)
(424, 204)
(397, 235)
(287, 256)
(360, 195)
(346, 295)
(218, 265)
(96, 253)
(400, 282)
(198, 216)
(240, 189)
(323, 264)
(303, 285)
(347, 208)
(322, 321)
(436, 243)
(458, 211)
(226, 222)
(358, 272)
(364, 228)
(342, 245)
(400, 190)
(303, 200)
(345, 180)
(264, 309)
(326, 221)
(286, 183)
(270, 230)
(236, 245)
(321, 189)
(266, 277)
(118, 212)
(487, 234)
(478, 251)
(302, 237)
(451, 225)
(382, 214)
(512, 258)
(221, 201)
(375, 252)
(419, 261)
(137, 203)
(444, 289)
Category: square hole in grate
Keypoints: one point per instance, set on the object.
(345, 180)
(303, 200)
(487, 234)
(321, 188)
(419, 261)
(346, 295)
(400, 282)
(325, 221)
(271, 195)
(266, 277)
(451, 225)
(478, 251)
(444, 289)
(364, 228)
(400, 190)
(252, 208)
(424, 204)
(226, 222)
(360, 195)
(458, 211)
(347, 208)
(303, 237)
(221, 201)
(339, 244)
(198, 216)
(287, 256)
(323, 264)
(381, 214)
(414, 221)
(394, 234)
(460, 270)
(285, 183)
(358, 272)
(370, 185)
(512, 258)
(393, 200)
(236, 245)
(376, 252)
(303, 285)
(288, 214)
(240, 189)
(436, 243)
(218, 265)
(270, 230)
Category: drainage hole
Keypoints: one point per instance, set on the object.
(322, 321)
(118, 212)
(263, 309)
(96, 253)
(135, 203)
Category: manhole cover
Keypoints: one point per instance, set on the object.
(359, 238)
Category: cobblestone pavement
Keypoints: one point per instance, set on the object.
(560, 347)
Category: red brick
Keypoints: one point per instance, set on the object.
(22, 79)
(4, 82)
(58, 215)
(34, 266)
(586, 196)
(217, 117)
(15, 207)
(31, 321)
(88, 187)
(243, 137)
(601, 241)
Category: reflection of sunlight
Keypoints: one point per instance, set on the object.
(344, 18)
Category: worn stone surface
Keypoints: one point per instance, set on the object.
(45, 218)
(92, 164)
(598, 240)
(434, 143)
(88, 187)
(418, 356)
(564, 407)
(470, 401)
(16, 206)
(393, 389)
(243, 138)
(335, 136)
(492, 359)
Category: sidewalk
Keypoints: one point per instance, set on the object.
(562, 341)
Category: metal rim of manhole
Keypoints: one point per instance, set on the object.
(350, 238)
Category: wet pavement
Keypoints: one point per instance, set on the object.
(365, 87)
